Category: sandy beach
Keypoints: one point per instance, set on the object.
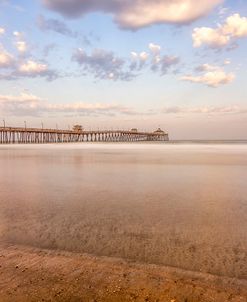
(31, 274)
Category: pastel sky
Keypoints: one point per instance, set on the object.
(176, 64)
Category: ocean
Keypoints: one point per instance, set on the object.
(178, 204)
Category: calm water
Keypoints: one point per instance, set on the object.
(182, 205)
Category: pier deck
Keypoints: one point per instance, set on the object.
(15, 135)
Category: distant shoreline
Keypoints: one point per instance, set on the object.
(201, 141)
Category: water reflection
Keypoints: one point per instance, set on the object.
(178, 205)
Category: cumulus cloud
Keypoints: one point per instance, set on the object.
(102, 64)
(27, 104)
(30, 69)
(135, 14)
(2, 30)
(164, 63)
(156, 61)
(212, 76)
(14, 67)
(233, 28)
(55, 26)
(209, 36)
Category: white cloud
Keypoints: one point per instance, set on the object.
(232, 109)
(134, 14)
(21, 46)
(20, 42)
(155, 48)
(18, 35)
(27, 104)
(32, 67)
(156, 61)
(2, 30)
(209, 36)
(24, 97)
(23, 104)
(6, 59)
(212, 76)
(143, 56)
(234, 27)
(208, 67)
(16, 66)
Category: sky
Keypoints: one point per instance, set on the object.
(180, 65)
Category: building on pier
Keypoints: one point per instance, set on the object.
(78, 128)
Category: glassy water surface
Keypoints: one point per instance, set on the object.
(182, 205)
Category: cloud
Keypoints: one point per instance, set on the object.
(212, 76)
(12, 68)
(233, 28)
(232, 109)
(2, 30)
(207, 67)
(167, 62)
(30, 68)
(6, 59)
(135, 14)
(23, 104)
(157, 62)
(138, 60)
(163, 64)
(155, 48)
(27, 104)
(21, 46)
(55, 26)
(102, 64)
(210, 37)
(142, 56)
(20, 42)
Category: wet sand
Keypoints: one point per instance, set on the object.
(29, 274)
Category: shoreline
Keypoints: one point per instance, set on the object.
(33, 274)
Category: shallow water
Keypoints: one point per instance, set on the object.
(182, 205)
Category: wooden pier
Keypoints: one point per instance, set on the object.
(15, 135)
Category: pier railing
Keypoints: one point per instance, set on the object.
(14, 135)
